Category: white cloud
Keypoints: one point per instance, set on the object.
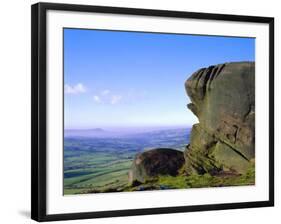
(107, 97)
(110, 97)
(97, 99)
(115, 99)
(75, 89)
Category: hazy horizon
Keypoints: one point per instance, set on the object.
(121, 132)
(127, 127)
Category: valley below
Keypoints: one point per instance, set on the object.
(98, 161)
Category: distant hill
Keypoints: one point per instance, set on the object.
(127, 133)
(94, 132)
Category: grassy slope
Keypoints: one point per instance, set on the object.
(168, 182)
(89, 171)
(197, 181)
(94, 165)
(113, 175)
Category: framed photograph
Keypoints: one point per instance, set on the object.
(140, 111)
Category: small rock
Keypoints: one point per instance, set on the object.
(150, 164)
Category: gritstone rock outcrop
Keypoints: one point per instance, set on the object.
(223, 142)
(223, 99)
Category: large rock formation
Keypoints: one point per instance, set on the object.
(223, 99)
(150, 164)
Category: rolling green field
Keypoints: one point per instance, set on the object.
(101, 164)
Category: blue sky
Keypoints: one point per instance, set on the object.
(134, 79)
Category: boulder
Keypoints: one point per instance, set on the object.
(223, 99)
(150, 164)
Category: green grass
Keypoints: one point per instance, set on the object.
(92, 166)
(114, 177)
(117, 181)
(197, 181)
(207, 180)
(102, 164)
(95, 171)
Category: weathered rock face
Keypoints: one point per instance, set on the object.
(155, 162)
(223, 99)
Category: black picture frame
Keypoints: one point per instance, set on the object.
(38, 108)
